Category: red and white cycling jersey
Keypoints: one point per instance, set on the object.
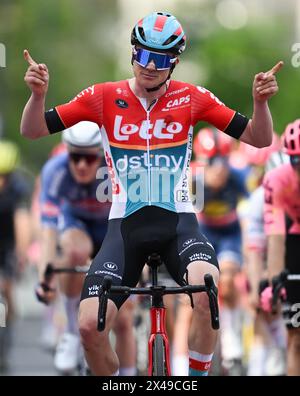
(282, 197)
(147, 151)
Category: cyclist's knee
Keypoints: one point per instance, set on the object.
(76, 246)
(88, 322)
(201, 304)
(124, 322)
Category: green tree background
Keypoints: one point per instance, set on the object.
(76, 39)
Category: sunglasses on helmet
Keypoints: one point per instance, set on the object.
(162, 61)
(88, 158)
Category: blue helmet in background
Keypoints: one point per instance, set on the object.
(159, 31)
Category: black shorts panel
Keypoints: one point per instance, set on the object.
(292, 263)
(188, 246)
(129, 241)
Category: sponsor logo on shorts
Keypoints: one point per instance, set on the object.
(188, 242)
(209, 244)
(191, 245)
(200, 257)
(110, 266)
(108, 273)
(94, 290)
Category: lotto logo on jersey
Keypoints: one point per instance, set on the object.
(146, 130)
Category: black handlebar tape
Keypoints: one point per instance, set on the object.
(49, 271)
(212, 293)
(103, 294)
(278, 282)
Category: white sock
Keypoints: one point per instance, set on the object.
(257, 360)
(71, 306)
(127, 371)
(180, 365)
(231, 333)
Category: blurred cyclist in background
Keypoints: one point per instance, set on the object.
(73, 219)
(268, 347)
(282, 226)
(223, 186)
(15, 233)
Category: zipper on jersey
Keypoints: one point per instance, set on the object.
(149, 164)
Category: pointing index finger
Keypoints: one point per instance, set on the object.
(275, 69)
(28, 58)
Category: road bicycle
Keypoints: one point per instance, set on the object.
(158, 344)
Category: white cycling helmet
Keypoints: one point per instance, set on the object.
(85, 134)
(276, 159)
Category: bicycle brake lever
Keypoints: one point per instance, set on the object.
(103, 296)
(49, 271)
(212, 293)
(278, 282)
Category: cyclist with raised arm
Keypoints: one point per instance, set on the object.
(15, 234)
(282, 226)
(268, 348)
(147, 126)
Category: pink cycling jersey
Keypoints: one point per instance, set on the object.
(282, 197)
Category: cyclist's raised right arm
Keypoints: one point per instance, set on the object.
(86, 106)
(33, 123)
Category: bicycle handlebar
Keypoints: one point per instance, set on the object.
(209, 288)
(50, 270)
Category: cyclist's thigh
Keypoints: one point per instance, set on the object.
(189, 246)
(116, 260)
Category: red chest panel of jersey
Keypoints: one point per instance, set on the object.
(129, 124)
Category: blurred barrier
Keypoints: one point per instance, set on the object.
(2, 55)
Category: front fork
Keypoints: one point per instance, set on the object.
(158, 326)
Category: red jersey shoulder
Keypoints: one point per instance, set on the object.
(206, 95)
(89, 92)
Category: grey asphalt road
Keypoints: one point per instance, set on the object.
(27, 357)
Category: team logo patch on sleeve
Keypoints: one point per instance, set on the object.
(121, 103)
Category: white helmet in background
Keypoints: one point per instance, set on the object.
(85, 134)
(276, 159)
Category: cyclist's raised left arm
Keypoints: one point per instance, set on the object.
(259, 131)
